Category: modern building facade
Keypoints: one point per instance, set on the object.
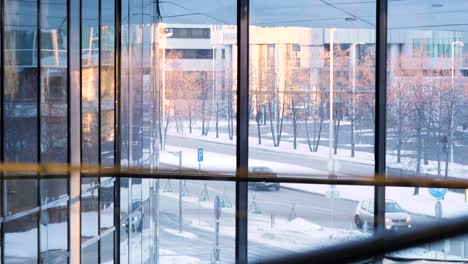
(132, 131)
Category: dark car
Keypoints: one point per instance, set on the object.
(263, 172)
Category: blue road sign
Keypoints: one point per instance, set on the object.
(438, 193)
(200, 154)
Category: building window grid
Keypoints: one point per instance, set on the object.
(435, 50)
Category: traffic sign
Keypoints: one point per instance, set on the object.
(200, 154)
(438, 193)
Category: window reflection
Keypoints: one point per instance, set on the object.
(20, 81)
(18, 231)
(54, 233)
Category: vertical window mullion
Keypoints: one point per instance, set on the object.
(380, 114)
(242, 149)
(39, 134)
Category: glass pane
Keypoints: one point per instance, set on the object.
(312, 87)
(426, 112)
(136, 220)
(20, 81)
(195, 60)
(53, 81)
(89, 214)
(124, 240)
(90, 81)
(17, 232)
(89, 254)
(196, 235)
(20, 195)
(53, 189)
(107, 81)
(424, 208)
(107, 204)
(427, 91)
(148, 222)
(288, 218)
(107, 249)
(54, 233)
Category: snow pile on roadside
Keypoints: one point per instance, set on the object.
(298, 234)
(452, 205)
(170, 257)
(422, 253)
(184, 234)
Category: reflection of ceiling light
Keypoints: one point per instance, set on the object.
(350, 19)
(437, 5)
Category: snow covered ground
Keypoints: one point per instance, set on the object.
(453, 204)
(286, 146)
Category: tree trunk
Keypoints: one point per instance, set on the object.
(306, 116)
(352, 138)
(400, 141)
(294, 122)
(190, 120)
(337, 132)
(217, 120)
(319, 135)
(419, 148)
(281, 123)
(271, 123)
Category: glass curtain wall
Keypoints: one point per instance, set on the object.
(97, 129)
(159, 86)
(426, 112)
(35, 118)
(311, 95)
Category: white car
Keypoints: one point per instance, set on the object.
(395, 217)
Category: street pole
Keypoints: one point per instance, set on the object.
(217, 214)
(163, 103)
(180, 194)
(180, 206)
(163, 38)
(452, 114)
(331, 164)
(353, 83)
(156, 222)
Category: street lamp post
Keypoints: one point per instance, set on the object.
(163, 41)
(452, 115)
(353, 83)
(331, 164)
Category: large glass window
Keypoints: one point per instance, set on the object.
(20, 81)
(426, 112)
(196, 65)
(53, 81)
(426, 108)
(300, 217)
(90, 81)
(312, 87)
(192, 227)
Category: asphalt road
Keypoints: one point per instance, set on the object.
(315, 163)
(314, 208)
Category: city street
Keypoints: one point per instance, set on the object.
(313, 208)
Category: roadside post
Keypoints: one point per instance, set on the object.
(180, 206)
(438, 194)
(217, 213)
(200, 157)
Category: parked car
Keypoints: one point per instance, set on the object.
(263, 172)
(395, 217)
